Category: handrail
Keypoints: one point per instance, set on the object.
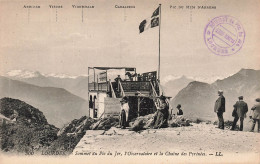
(155, 95)
(112, 89)
(160, 88)
(121, 88)
(154, 92)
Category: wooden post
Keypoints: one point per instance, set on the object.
(94, 79)
(159, 42)
(94, 106)
(125, 73)
(97, 84)
(88, 94)
(138, 105)
(135, 74)
(106, 80)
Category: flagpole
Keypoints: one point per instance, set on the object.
(159, 42)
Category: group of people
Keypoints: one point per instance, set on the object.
(239, 112)
(162, 114)
(160, 118)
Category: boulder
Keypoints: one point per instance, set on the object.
(179, 121)
(142, 122)
(77, 126)
(105, 123)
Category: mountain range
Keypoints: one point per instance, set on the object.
(75, 84)
(57, 104)
(198, 98)
(55, 94)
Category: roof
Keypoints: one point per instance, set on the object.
(107, 68)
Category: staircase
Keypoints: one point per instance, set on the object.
(154, 95)
(112, 89)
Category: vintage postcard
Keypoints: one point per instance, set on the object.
(129, 81)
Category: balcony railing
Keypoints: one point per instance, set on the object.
(128, 86)
(98, 86)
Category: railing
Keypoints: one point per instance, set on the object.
(156, 101)
(153, 89)
(112, 89)
(121, 89)
(98, 86)
(132, 86)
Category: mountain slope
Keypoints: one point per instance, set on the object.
(58, 105)
(76, 85)
(198, 99)
(172, 87)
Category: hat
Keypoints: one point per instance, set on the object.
(220, 91)
(162, 97)
(178, 106)
(240, 97)
(124, 99)
(257, 100)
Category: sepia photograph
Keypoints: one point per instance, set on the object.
(133, 81)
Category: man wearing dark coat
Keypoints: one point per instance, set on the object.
(220, 109)
(124, 113)
(179, 112)
(240, 110)
(162, 114)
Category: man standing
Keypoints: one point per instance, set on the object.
(220, 109)
(240, 110)
(124, 113)
(256, 115)
(116, 85)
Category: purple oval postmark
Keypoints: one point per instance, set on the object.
(224, 35)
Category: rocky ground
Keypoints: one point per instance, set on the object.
(201, 139)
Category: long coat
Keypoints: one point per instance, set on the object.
(220, 104)
(162, 116)
(256, 111)
(241, 108)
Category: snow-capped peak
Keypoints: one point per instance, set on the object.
(23, 74)
(62, 76)
(206, 79)
(169, 78)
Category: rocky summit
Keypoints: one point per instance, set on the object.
(23, 128)
(20, 111)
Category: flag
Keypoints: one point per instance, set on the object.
(156, 12)
(155, 22)
(144, 25)
(151, 22)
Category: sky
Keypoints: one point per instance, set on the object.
(60, 42)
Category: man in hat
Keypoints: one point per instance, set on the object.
(162, 114)
(256, 115)
(116, 85)
(240, 110)
(124, 113)
(220, 109)
(179, 112)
